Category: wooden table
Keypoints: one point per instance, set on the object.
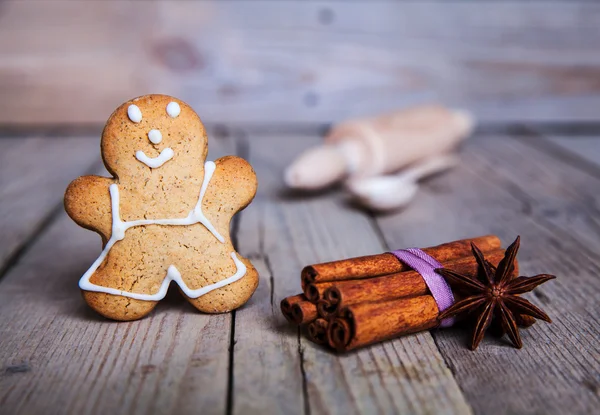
(57, 356)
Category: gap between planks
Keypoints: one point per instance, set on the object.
(241, 150)
(248, 400)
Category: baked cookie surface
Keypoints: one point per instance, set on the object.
(164, 215)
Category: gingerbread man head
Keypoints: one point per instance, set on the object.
(163, 135)
(164, 217)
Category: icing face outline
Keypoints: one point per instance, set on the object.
(155, 136)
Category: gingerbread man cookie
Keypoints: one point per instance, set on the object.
(164, 215)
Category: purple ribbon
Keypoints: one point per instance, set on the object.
(426, 265)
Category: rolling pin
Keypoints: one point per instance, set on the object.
(368, 147)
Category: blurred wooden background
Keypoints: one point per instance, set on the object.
(65, 62)
(267, 76)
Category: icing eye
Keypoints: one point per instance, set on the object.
(134, 113)
(155, 136)
(173, 109)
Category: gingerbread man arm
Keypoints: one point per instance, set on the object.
(234, 185)
(87, 201)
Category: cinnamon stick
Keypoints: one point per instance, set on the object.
(287, 303)
(382, 264)
(386, 287)
(317, 331)
(366, 323)
(393, 286)
(325, 309)
(314, 292)
(304, 312)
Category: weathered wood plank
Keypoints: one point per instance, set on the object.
(561, 192)
(299, 61)
(57, 356)
(585, 147)
(34, 173)
(263, 381)
(288, 231)
(508, 188)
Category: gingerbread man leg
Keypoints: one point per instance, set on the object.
(207, 271)
(234, 185)
(146, 276)
(112, 306)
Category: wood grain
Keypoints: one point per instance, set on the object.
(33, 179)
(508, 186)
(267, 375)
(298, 61)
(75, 362)
(587, 147)
(57, 356)
(289, 231)
(553, 185)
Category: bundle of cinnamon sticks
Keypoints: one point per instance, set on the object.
(359, 301)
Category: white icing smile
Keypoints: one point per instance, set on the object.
(154, 163)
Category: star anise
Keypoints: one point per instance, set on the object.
(494, 294)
